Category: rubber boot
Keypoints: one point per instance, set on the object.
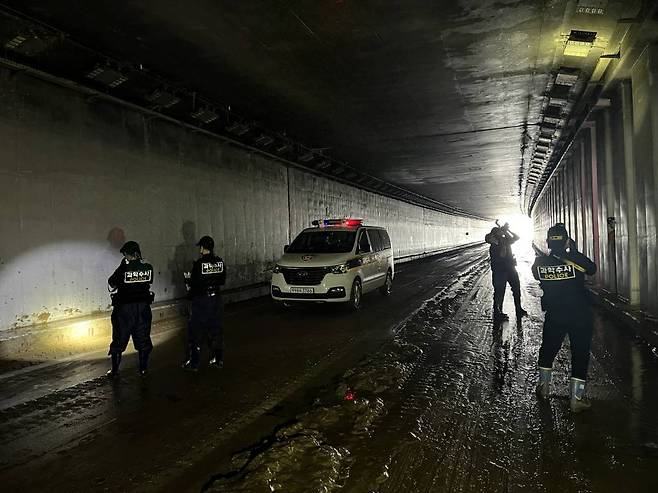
(116, 360)
(578, 403)
(192, 364)
(216, 361)
(143, 362)
(216, 356)
(544, 384)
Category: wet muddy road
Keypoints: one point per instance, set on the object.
(65, 426)
(418, 392)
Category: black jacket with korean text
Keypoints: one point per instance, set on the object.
(562, 278)
(208, 275)
(132, 281)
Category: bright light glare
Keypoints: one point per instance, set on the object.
(522, 226)
(80, 330)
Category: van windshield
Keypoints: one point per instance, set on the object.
(323, 241)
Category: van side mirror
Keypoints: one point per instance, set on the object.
(285, 248)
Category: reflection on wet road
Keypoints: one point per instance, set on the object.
(418, 392)
(468, 419)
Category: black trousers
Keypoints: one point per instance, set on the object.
(131, 319)
(579, 329)
(206, 320)
(500, 277)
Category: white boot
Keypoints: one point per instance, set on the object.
(578, 403)
(544, 385)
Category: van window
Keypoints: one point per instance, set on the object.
(323, 241)
(364, 244)
(375, 240)
(386, 241)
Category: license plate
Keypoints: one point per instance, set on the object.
(302, 290)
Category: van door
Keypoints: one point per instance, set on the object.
(376, 242)
(368, 262)
(387, 252)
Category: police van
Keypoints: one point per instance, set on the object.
(335, 261)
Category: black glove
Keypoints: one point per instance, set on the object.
(571, 245)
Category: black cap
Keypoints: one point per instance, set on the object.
(130, 248)
(557, 236)
(207, 242)
(558, 232)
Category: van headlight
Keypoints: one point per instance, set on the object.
(277, 269)
(340, 269)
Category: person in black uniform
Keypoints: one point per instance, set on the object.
(131, 312)
(503, 270)
(562, 278)
(204, 283)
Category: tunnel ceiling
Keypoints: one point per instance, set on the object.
(440, 98)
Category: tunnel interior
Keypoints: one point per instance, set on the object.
(459, 103)
(449, 114)
(247, 121)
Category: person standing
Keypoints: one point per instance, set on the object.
(561, 275)
(131, 312)
(503, 270)
(204, 282)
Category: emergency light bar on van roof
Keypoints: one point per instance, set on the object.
(350, 223)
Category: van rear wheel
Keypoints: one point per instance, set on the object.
(355, 297)
(388, 285)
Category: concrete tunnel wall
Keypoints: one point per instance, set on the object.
(79, 177)
(606, 188)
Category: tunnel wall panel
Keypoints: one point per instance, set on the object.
(645, 106)
(413, 230)
(80, 177)
(605, 188)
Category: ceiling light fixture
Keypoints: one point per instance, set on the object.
(205, 115)
(567, 76)
(553, 114)
(15, 43)
(553, 111)
(548, 128)
(30, 44)
(579, 43)
(107, 76)
(559, 95)
(264, 140)
(163, 99)
(238, 129)
(306, 157)
(283, 147)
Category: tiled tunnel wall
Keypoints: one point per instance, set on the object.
(80, 177)
(605, 188)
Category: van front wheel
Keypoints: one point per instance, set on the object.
(355, 297)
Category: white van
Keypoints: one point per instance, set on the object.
(336, 261)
